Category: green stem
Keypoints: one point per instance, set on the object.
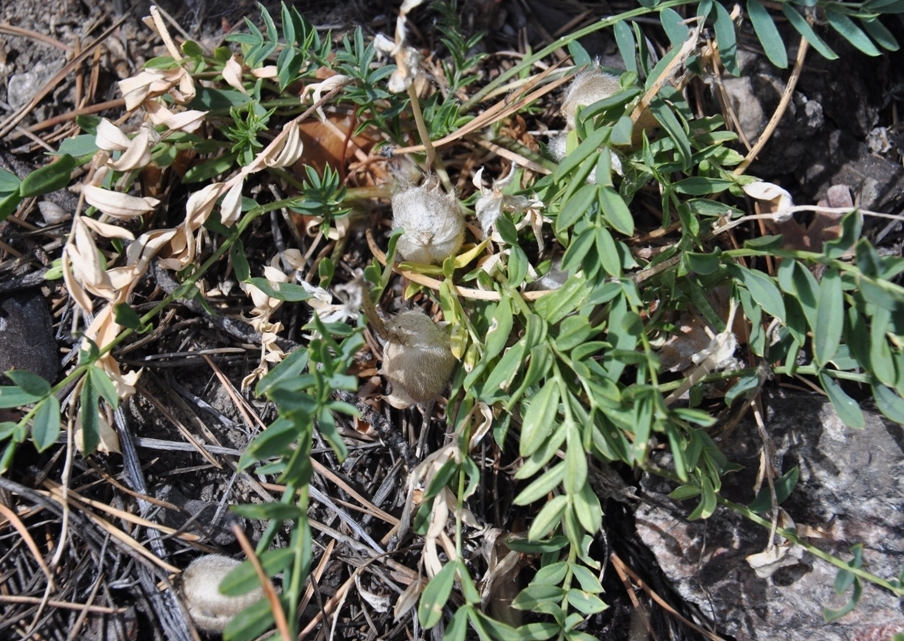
(792, 536)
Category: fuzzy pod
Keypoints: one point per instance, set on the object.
(209, 609)
(416, 359)
(432, 224)
(588, 87)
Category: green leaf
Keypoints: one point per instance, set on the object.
(29, 382)
(833, 615)
(762, 289)
(783, 488)
(829, 317)
(48, 178)
(457, 629)
(575, 462)
(539, 418)
(674, 129)
(534, 596)
(726, 39)
(548, 517)
(8, 204)
(575, 207)
(889, 403)
(616, 211)
(848, 409)
(704, 264)
(573, 331)
(521, 544)
(851, 226)
(46, 426)
(587, 509)
(747, 383)
(244, 579)
(267, 511)
(250, 623)
(9, 182)
(543, 485)
(102, 383)
(578, 54)
(766, 31)
(128, 317)
(584, 150)
(804, 29)
(586, 603)
(684, 492)
(702, 186)
(624, 38)
(435, 595)
(13, 396)
(88, 413)
(674, 26)
(850, 31)
(83, 145)
(880, 34)
(281, 291)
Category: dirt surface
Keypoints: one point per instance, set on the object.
(193, 365)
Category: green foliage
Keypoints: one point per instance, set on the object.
(571, 379)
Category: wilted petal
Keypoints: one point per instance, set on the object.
(85, 259)
(110, 137)
(105, 229)
(232, 74)
(270, 71)
(138, 154)
(72, 286)
(200, 204)
(773, 198)
(118, 205)
(318, 89)
(231, 206)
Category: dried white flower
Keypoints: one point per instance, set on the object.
(417, 359)
(432, 224)
(589, 86)
(211, 610)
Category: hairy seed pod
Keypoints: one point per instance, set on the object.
(416, 359)
(432, 222)
(588, 87)
(209, 609)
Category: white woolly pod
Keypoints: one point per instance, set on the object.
(432, 222)
(210, 610)
(588, 87)
(416, 359)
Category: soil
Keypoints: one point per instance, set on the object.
(193, 366)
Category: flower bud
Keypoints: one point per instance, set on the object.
(432, 224)
(416, 359)
(210, 610)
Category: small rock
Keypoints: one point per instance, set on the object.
(851, 487)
